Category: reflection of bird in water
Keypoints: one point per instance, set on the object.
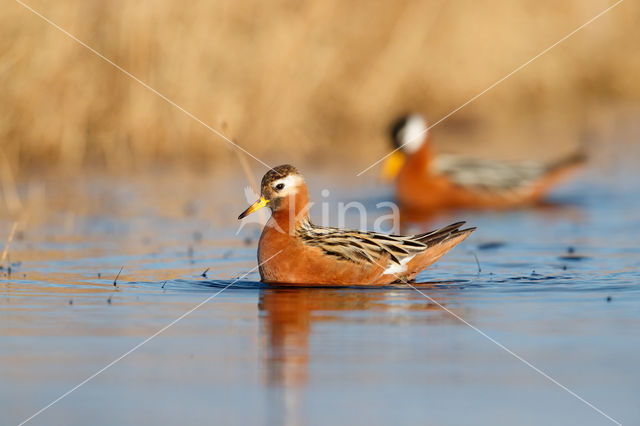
(427, 182)
(287, 320)
(288, 316)
(294, 251)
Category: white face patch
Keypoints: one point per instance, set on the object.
(413, 133)
(291, 184)
(398, 269)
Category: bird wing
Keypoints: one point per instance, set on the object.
(488, 175)
(372, 247)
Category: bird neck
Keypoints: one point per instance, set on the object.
(422, 156)
(292, 211)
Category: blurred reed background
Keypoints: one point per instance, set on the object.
(301, 81)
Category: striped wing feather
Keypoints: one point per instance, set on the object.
(488, 175)
(371, 247)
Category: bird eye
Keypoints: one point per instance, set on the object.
(279, 187)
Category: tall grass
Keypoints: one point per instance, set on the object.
(303, 80)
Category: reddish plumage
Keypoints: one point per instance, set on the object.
(294, 253)
(418, 188)
(426, 182)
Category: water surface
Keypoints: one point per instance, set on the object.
(558, 286)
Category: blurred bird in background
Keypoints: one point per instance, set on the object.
(428, 181)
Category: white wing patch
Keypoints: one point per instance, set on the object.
(398, 269)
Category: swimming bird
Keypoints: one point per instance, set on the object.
(292, 250)
(425, 181)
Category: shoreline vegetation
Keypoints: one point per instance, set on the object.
(312, 84)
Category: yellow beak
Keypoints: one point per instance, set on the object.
(255, 206)
(392, 166)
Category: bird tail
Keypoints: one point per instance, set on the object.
(572, 160)
(445, 234)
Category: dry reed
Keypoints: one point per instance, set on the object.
(303, 80)
(7, 246)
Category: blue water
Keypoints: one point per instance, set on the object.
(558, 287)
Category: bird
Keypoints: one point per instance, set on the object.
(426, 181)
(292, 250)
